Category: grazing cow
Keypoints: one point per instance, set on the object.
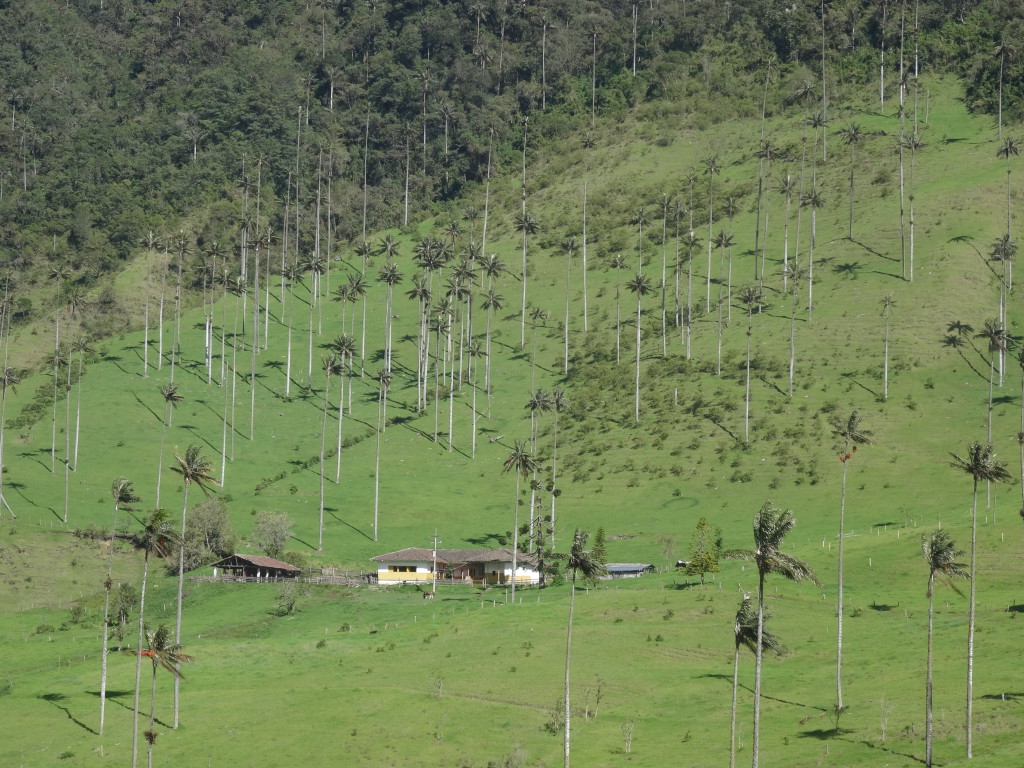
(428, 595)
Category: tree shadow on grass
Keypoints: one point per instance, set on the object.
(1018, 696)
(145, 405)
(484, 539)
(872, 251)
(728, 679)
(872, 745)
(56, 699)
(851, 379)
(362, 533)
(114, 695)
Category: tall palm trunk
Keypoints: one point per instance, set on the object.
(732, 720)
(181, 592)
(928, 676)
(568, 651)
(107, 584)
(755, 737)
(138, 660)
(839, 597)
(970, 622)
(323, 442)
(636, 408)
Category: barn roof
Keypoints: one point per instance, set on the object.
(628, 567)
(259, 561)
(454, 556)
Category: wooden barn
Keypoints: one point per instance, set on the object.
(253, 568)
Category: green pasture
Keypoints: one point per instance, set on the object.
(378, 677)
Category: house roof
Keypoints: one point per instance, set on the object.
(628, 567)
(454, 556)
(259, 561)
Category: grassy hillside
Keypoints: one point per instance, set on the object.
(379, 675)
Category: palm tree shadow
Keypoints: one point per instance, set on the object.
(190, 428)
(866, 388)
(145, 405)
(55, 699)
(362, 533)
(113, 696)
(872, 251)
(872, 745)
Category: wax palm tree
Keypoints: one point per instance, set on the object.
(558, 402)
(814, 201)
(852, 136)
(981, 464)
(345, 348)
(850, 434)
(123, 492)
(1008, 150)
(171, 399)
(771, 525)
(750, 297)
(1003, 252)
(390, 276)
(711, 169)
(420, 292)
(940, 553)
(580, 562)
(522, 464)
(795, 275)
(383, 379)
(492, 303)
(539, 402)
(640, 285)
(357, 287)
(569, 248)
(787, 188)
(157, 537)
(528, 225)
(1005, 50)
(690, 241)
(9, 379)
(193, 468)
(744, 630)
(998, 340)
(332, 367)
(639, 219)
(163, 653)
(888, 302)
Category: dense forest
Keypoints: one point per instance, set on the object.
(126, 118)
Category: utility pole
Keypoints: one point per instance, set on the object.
(433, 584)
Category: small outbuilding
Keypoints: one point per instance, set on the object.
(628, 570)
(253, 568)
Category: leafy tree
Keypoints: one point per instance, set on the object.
(599, 551)
(271, 532)
(705, 548)
(209, 534)
(850, 434)
(771, 525)
(583, 563)
(744, 630)
(981, 464)
(940, 553)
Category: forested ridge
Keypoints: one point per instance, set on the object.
(125, 118)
